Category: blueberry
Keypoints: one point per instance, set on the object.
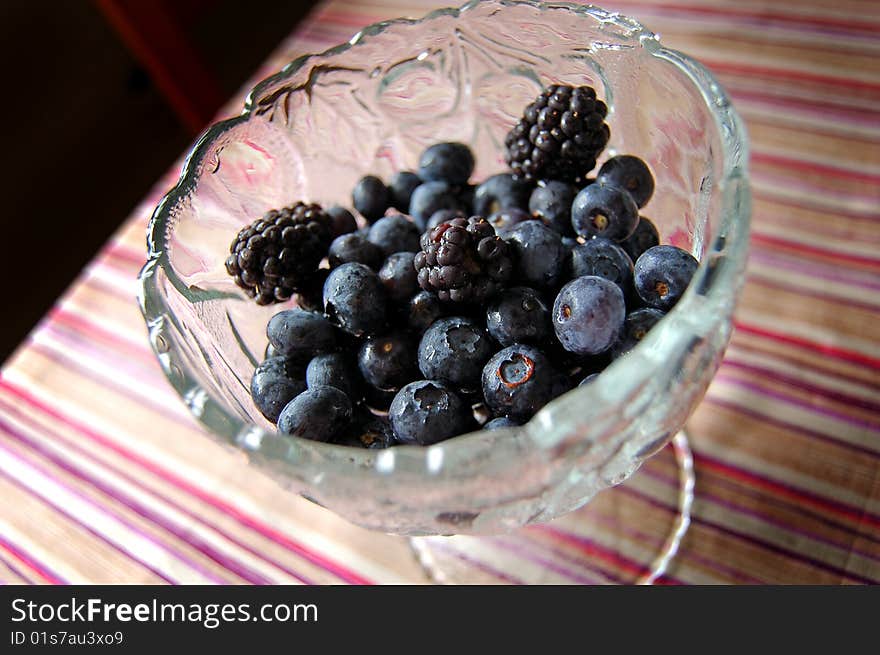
(518, 381)
(424, 308)
(662, 274)
(448, 162)
(499, 192)
(588, 379)
(465, 195)
(629, 173)
(355, 299)
(431, 197)
(600, 210)
(603, 258)
(402, 185)
(388, 362)
(644, 237)
(441, 216)
(309, 295)
(518, 315)
(395, 233)
(332, 370)
(426, 412)
(371, 197)
(368, 431)
(500, 423)
(550, 203)
(354, 248)
(343, 221)
(505, 219)
(270, 351)
(300, 334)
(399, 276)
(588, 315)
(636, 325)
(454, 350)
(539, 253)
(275, 383)
(319, 414)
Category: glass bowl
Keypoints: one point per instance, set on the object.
(371, 105)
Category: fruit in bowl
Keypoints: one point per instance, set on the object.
(376, 106)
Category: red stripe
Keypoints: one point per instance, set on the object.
(788, 74)
(761, 15)
(825, 349)
(31, 565)
(812, 167)
(316, 558)
(785, 244)
(798, 495)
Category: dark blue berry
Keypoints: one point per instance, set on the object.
(538, 253)
(431, 197)
(388, 362)
(354, 248)
(426, 412)
(637, 324)
(319, 414)
(368, 431)
(588, 315)
(498, 192)
(402, 185)
(275, 382)
(447, 162)
(395, 233)
(518, 381)
(424, 308)
(343, 221)
(629, 173)
(371, 198)
(662, 274)
(500, 423)
(454, 350)
(399, 276)
(332, 370)
(300, 335)
(355, 299)
(518, 315)
(644, 237)
(505, 219)
(550, 203)
(270, 351)
(600, 210)
(603, 258)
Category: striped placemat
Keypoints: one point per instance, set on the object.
(106, 478)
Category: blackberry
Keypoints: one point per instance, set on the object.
(559, 136)
(277, 254)
(443, 215)
(463, 260)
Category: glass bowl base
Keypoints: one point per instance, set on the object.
(628, 534)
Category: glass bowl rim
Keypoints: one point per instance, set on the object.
(289, 451)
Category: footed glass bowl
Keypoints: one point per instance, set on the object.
(370, 106)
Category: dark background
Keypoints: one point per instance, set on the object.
(89, 127)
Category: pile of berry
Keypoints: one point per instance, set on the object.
(459, 305)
